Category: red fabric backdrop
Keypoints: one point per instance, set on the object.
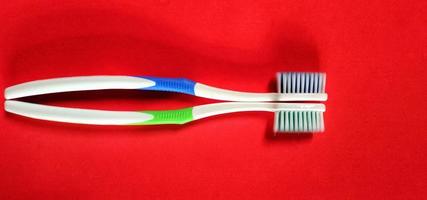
(374, 53)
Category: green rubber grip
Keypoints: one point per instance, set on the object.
(180, 116)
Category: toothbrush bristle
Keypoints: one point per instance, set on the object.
(298, 122)
(301, 82)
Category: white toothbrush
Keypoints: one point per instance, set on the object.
(299, 86)
(290, 117)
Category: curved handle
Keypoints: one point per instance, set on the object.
(76, 83)
(99, 117)
(84, 83)
(181, 85)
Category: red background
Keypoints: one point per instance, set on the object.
(374, 53)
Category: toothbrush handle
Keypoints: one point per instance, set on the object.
(99, 117)
(85, 83)
(181, 85)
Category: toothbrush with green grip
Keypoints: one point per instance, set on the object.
(298, 116)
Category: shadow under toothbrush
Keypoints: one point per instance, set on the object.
(118, 42)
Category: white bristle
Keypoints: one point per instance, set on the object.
(299, 121)
(301, 82)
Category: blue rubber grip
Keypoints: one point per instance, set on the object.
(181, 85)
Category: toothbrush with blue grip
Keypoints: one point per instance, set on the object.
(309, 88)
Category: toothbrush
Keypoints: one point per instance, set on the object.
(294, 86)
(290, 117)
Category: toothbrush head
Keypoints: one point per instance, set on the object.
(298, 122)
(301, 82)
